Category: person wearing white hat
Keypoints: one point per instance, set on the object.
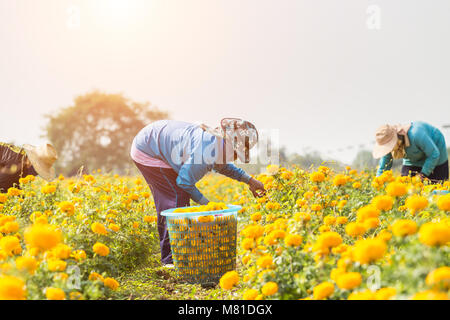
(174, 155)
(421, 146)
(16, 162)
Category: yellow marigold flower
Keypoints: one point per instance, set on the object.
(270, 288)
(349, 280)
(287, 175)
(247, 243)
(111, 283)
(416, 203)
(342, 204)
(60, 276)
(75, 295)
(229, 280)
(404, 227)
(316, 207)
(253, 231)
(101, 249)
(42, 236)
(79, 255)
(366, 212)
(264, 262)
(246, 259)
(27, 263)
(383, 202)
(114, 227)
(356, 185)
(12, 288)
(317, 177)
(444, 202)
(439, 277)
(385, 293)
(327, 240)
(371, 223)
(434, 233)
(67, 207)
(369, 250)
(340, 180)
(99, 228)
(272, 169)
(13, 192)
(10, 245)
(430, 295)
(274, 206)
(94, 276)
(329, 220)
(323, 290)
(362, 295)
(293, 240)
(55, 294)
(302, 216)
(3, 197)
(384, 235)
(355, 229)
(256, 216)
(324, 169)
(341, 220)
(396, 189)
(10, 227)
(61, 251)
(335, 273)
(308, 195)
(250, 294)
(278, 234)
(48, 189)
(56, 265)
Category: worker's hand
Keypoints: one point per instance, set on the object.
(257, 188)
(422, 176)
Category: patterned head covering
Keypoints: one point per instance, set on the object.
(241, 134)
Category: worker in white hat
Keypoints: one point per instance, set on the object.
(16, 162)
(421, 146)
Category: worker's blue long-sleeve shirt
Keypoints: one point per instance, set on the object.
(189, 150)
(427, 149)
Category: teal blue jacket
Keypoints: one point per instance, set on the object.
(427, 149)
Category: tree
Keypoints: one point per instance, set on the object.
(364, 160)
(97, 131)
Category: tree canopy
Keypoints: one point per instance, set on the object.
(97, 131)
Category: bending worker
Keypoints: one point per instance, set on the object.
(173, 155)
(420, 145)
(16, 163)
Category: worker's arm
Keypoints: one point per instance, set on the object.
(233, 172)
(188, 176)
(427, 145)
(385, 164)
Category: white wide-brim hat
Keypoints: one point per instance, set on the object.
(385, 141)
(42, 158)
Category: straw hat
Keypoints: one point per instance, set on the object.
(42, 159)
(385, 141)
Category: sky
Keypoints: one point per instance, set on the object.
(324, 74)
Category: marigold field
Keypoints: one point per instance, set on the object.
(315, 235)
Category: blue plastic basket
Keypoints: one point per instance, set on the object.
(441, 192)
(203, 243)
